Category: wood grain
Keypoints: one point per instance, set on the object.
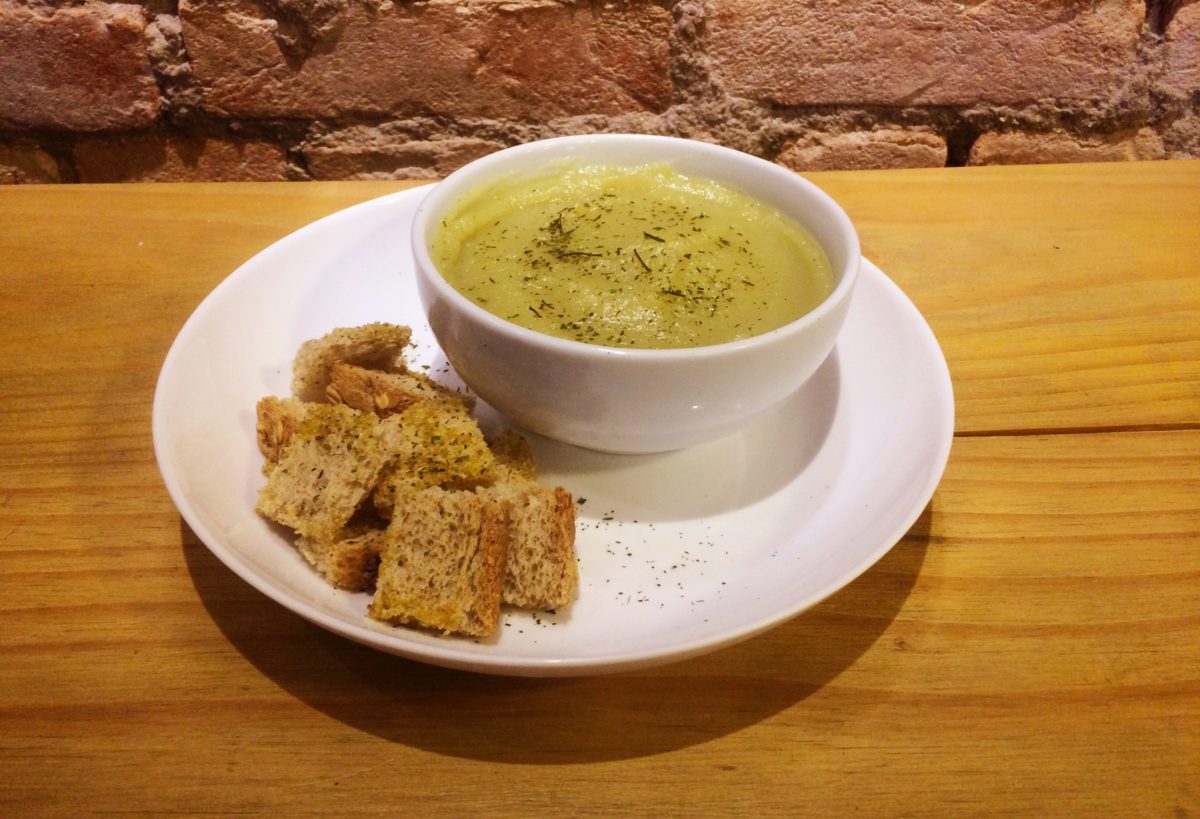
(1031, 647)
(1065, 297)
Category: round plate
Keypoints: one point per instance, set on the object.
(679, 553)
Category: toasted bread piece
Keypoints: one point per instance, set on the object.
(514, 457)
(540, 571)
(329, 465)
(439, 445)
(277, 420)
(443, 563)
(386, 393)
(377, 346)
(349, 562)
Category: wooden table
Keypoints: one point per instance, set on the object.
(1031, 647)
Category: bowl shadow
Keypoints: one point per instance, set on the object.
(564, 720)
(709, 479)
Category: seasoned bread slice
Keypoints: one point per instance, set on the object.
(443, 563)
(377, 346)
(386, 393)
(330, 464)
(349, 562)
(540, 572)
(514, 457)
(439, 444)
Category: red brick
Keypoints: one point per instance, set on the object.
(24, 162)
(1182, 60)
(925, 52)
(1182, 137)
(155, 158)
(861, 150)
(1032, 149)
(377, 152)
(80, 68)
(523, 59)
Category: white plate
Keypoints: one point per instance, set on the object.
(679, 554)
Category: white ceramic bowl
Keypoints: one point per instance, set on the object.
(634, 400)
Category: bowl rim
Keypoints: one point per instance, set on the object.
(427, 270)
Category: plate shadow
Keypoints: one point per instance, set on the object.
(559, 721)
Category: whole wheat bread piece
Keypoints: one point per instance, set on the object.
(540, 570)
(329, 465)
(385, 393)
(443, 563)
(438, 444)
(514, 457)
(350, 561)
(376, 346)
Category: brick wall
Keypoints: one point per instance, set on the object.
(96, 91)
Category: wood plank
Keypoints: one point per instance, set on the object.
(130, 262)
(1065, 297)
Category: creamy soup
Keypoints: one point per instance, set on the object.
(630, 257)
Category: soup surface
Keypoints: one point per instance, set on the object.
(630, 257)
